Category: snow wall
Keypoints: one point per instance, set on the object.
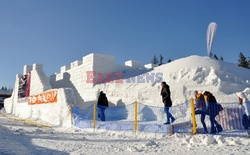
(75, 76)
(184, 76)
(44, 104)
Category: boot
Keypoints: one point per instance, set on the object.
(248, 132)
(219, 128)
(172, 120)
(213, 130)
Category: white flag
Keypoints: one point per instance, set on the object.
(210, 36)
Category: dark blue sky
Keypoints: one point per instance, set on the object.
(57, 32)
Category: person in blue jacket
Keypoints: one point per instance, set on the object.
(201, 108)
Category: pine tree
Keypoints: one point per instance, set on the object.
(215, 56)
(161, 60)
(155, 60)
(221, 58)
(242, 61)
(4, 88)
(249, 62)
(10, 89)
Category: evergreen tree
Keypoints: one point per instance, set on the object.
(155, 60)
(221, 58)
(215, 56)
(243, 61)
(10, 89)
(4, 88)
(161, 60)
(249, 62)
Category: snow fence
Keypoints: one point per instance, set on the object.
(147, 118)
(230, 118)
(152, 118)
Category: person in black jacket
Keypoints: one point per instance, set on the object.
(212, 111)
(166, 99)
(102, 104)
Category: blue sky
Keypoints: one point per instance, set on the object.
(57, 32)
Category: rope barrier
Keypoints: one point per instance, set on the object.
(26, 121)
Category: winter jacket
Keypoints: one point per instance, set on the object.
(212, 109)
(200, 102)
(165, 93)
(102, 100)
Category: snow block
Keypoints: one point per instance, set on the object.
(26, 69)
(133, 63)
(150, 66)
(75, 64)
(64, 69)
(37, 67)
(39, 81)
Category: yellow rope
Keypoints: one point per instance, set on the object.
(26, 121)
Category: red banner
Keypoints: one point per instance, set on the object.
(43, 98)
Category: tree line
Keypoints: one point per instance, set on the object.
(7, 89)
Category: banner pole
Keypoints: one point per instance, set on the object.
(194, 129)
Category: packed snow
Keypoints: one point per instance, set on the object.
(19, 138)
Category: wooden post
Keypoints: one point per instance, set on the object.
(135, 116)
(194, 129)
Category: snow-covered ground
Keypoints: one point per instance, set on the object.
(20, 138)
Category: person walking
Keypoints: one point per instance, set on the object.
(102, 104)
(245, 106)
(212, 111)
(166, 99)
(201, 109)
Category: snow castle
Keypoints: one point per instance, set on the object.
(70, 87)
